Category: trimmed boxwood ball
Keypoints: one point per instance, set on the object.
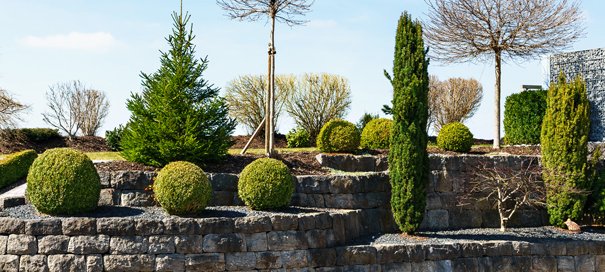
(455, 137)
(266, 184)
(63, 181)
(338, 136)
(182, 188)
(377, 134)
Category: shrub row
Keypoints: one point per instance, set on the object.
(64, 181)
(15, 167)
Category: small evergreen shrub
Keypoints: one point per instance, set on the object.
(114, 137)
(63, 181)
(564, 148)
(266, 184)
(15, 167)
(523, 114)
(455, 137)
(182, 188)
(298, 137)
(338, 136)
(40, 134)
(377, 134)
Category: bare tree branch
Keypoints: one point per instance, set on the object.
(480, 30)
(453, 100)
(9, 110)
(285, 11)
(73, 107)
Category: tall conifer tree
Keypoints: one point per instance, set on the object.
(179, 115)
(564, 142)
(408, 158)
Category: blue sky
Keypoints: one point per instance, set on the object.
(107, 44)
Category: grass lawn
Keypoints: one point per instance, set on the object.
(105, 156)
(235, 151)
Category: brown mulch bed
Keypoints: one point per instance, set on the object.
(240, 141)
(300, 163)
(482, 150)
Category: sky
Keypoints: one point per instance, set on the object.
(107, 44)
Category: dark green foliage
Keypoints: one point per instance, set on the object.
(523, 114)
(182, 188)
(377, 134)
(38, 135)
(63, 181)
(365, 119)
(114, 137)
(15, 167)
(266, 184)
(455, 137)
(179, 115)
(338, 136)
(298, 137)
(564, 142)
(408, 158)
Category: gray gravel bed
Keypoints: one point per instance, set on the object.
(29, 212)
(537, 234)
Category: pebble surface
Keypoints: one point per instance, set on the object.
(537, 234)
(29, 212)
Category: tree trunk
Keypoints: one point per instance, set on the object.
(271, 151)
(497, 100)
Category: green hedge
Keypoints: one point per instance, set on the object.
(40, 134)
(455, 137)
(298, 137)
(266, 184)
(63, 181)
(15, 167)
(377, 134)
(182, 188)
(338, 136)
(523, 114)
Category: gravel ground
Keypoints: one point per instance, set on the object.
(29, 212)
(538, 234)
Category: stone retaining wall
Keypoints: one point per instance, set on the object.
(174, 244)
(311, 242)
(368, 192)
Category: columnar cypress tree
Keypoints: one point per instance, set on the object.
(408, 158)
(179, 115)
(564, 140)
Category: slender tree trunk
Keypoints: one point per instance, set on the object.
(267, 99)
(271, 151)
(497, 100)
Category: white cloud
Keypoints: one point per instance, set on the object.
(96, 41)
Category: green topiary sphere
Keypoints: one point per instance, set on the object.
(377, 134)
(63, 181)
(182, 188)
(455, 137)
(338, 136)
(266, 184)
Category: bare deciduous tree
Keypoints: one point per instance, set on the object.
(508, 189)
(93, 107)
(453, 100)
(285, 11)
(318, 99)
(246, 96)
(9, 110)
(75, 108)
(476, 30)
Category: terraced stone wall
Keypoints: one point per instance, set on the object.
(287, 241)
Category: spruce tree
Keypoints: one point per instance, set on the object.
(564, 143)
(408, 158)
(179, 115)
